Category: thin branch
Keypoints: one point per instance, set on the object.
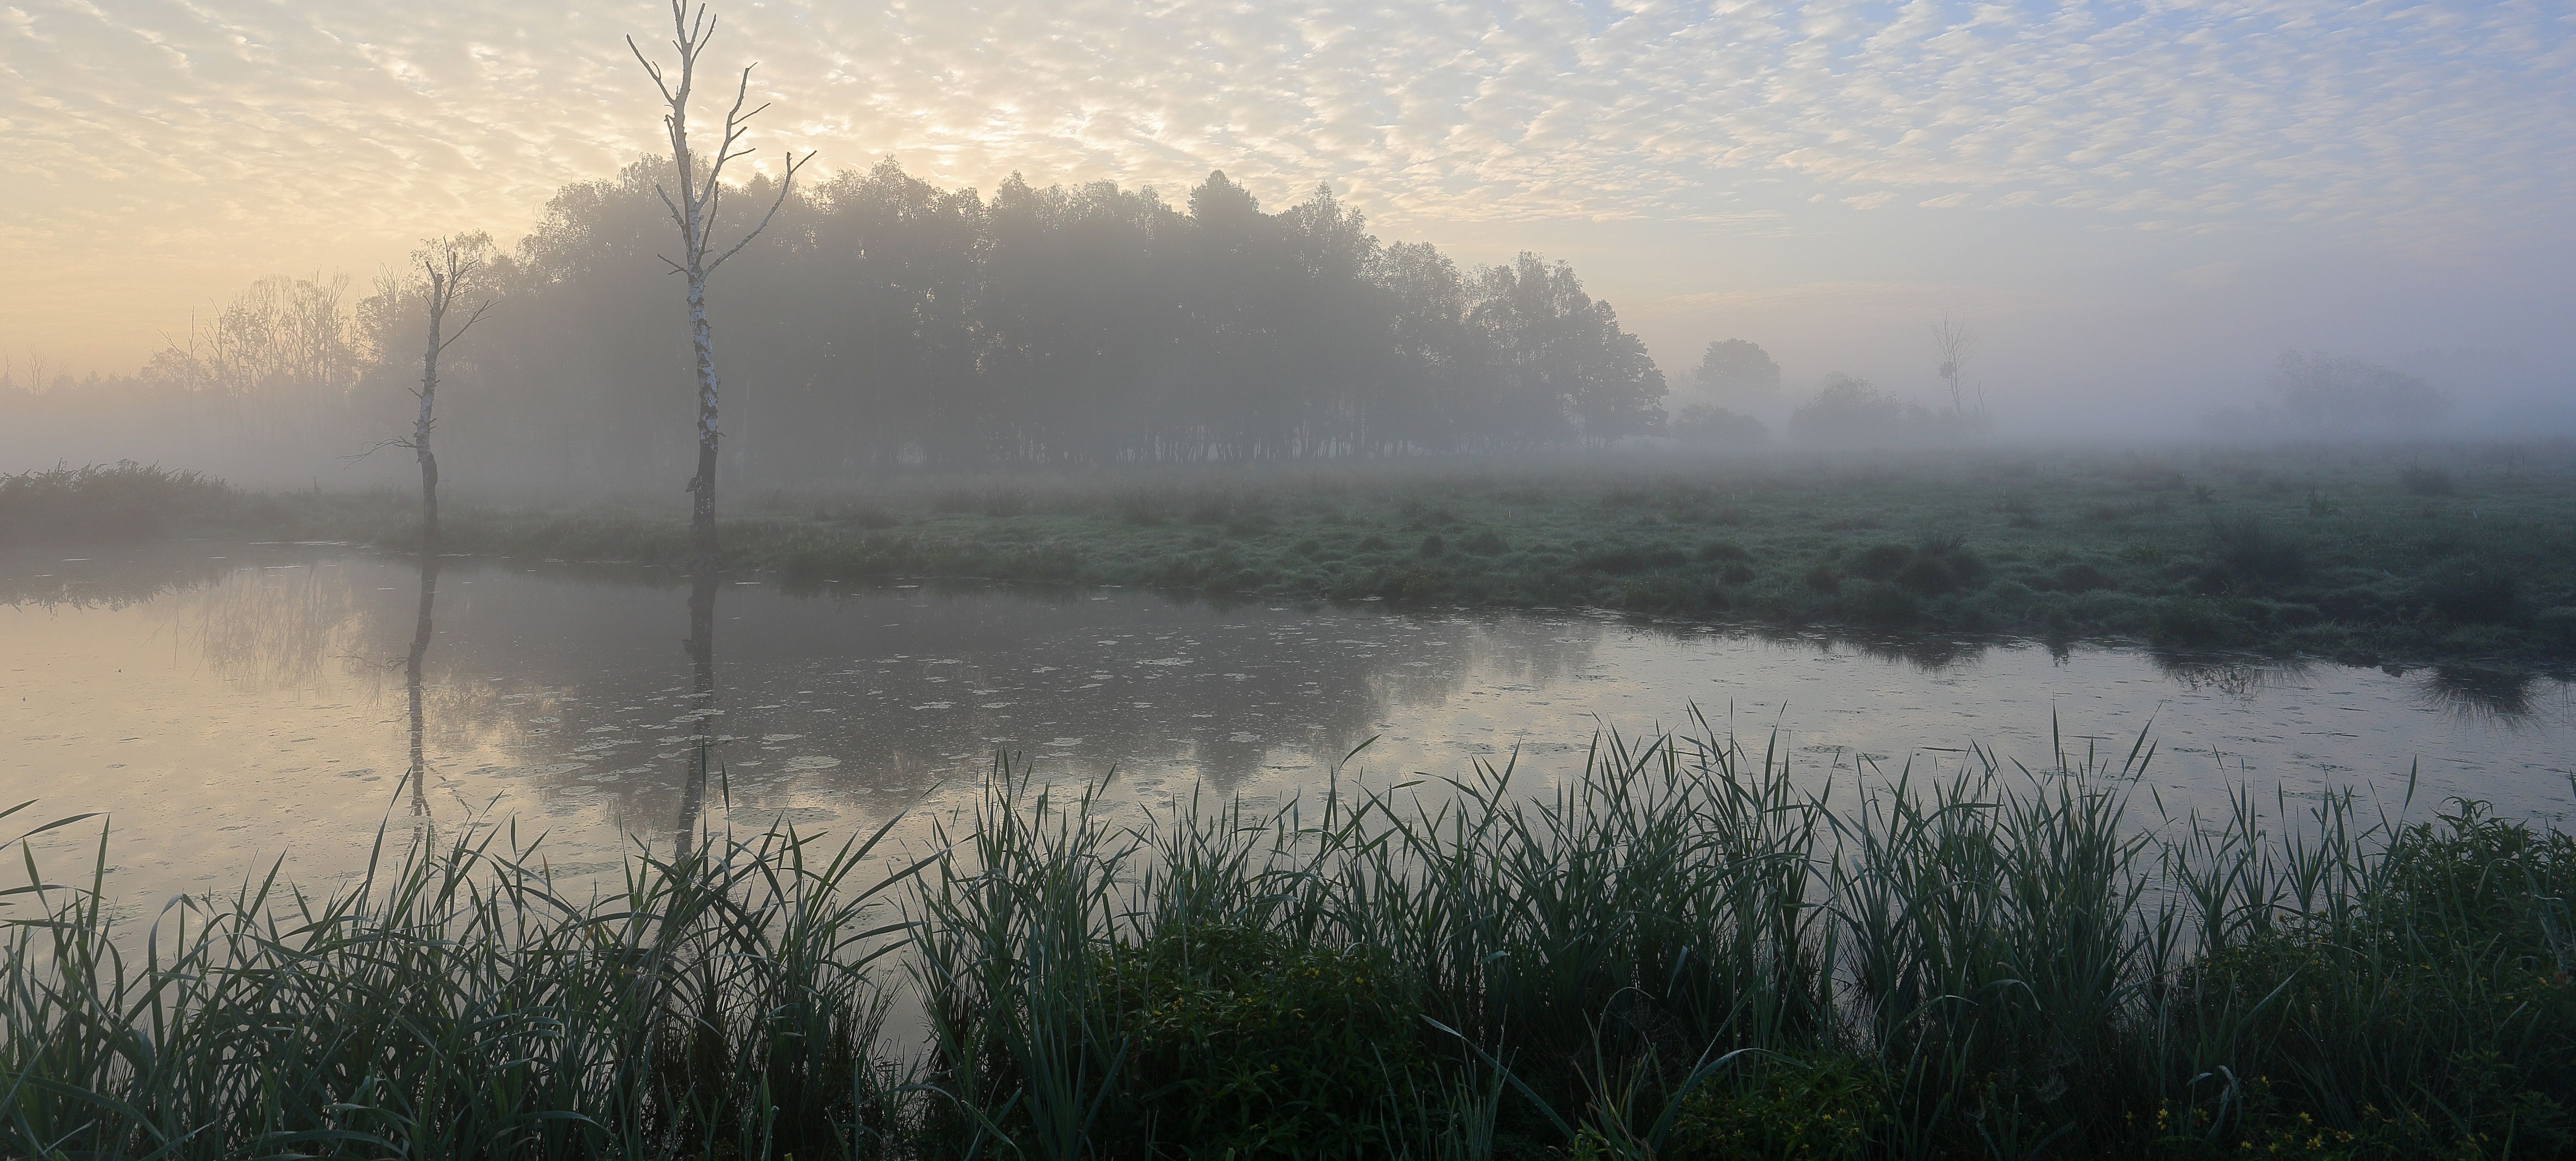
(650, 69)
(470, 320)
(676, 219)
(785, 185)
(375, 447)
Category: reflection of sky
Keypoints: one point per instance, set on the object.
(1707, 165)
(225, 721)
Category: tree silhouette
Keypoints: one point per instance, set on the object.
(696, 214)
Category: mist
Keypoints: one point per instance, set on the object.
(1276, 580)
(886, 323)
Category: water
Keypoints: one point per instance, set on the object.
(224, 704)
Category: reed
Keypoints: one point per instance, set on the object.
(1686, 949)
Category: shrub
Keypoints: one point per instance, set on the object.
(1951, 549)
(1247, 1044)
(2254, 555)
(1880, 562)
(1796, 1110)
(1484, 542)
(2472, 594)
(1925, 575)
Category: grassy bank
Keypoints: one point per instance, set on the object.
(2378, 556)
(1675, 954)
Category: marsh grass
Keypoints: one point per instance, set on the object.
(1684, 949)
(2349, 562)
(111, 500)
(453, 1002)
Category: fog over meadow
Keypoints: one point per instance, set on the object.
(1010, 248)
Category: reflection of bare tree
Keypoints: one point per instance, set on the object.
(702, 701)
(276, 626)
(418, 775)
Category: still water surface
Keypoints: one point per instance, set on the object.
(226, 703)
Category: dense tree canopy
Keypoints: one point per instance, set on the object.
(1737, 369)
(884, 321)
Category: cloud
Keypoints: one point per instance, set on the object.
(245, 135)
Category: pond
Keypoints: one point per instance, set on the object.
(225, 704)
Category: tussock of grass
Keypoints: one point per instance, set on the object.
(122, 499)
(1675, 953)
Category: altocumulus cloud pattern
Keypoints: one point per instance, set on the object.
(147, 128)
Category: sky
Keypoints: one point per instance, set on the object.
(2132, 204)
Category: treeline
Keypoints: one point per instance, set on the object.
(883, 321)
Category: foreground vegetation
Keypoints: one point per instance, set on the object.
(1676, 953)
(2370, 556)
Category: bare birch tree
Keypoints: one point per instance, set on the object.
(695, 213)
(447, 266)
(1953, 342)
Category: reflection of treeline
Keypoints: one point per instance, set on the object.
(1675, 952)
(883, 320)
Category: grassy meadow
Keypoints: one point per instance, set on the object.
(2462, 554)
(1674, 952)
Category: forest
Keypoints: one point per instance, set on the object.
(882, 321)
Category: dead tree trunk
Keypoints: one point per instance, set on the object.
(695, 214)
(446, 264)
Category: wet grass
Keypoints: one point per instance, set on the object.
(1676, 952)
(2375, 556)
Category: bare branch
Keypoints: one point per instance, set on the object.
(470, 320)
(650, 69)
(785, 184)
(676, 219)
(377, 446)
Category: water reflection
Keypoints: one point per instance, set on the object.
(418, 773)
(2231, 675)
(256, 710)
(2480, 694)
(701, 647)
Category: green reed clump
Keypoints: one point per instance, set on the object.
(452, 1002)
(1685, 949)
(115, 500)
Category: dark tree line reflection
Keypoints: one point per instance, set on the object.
(539, 683)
